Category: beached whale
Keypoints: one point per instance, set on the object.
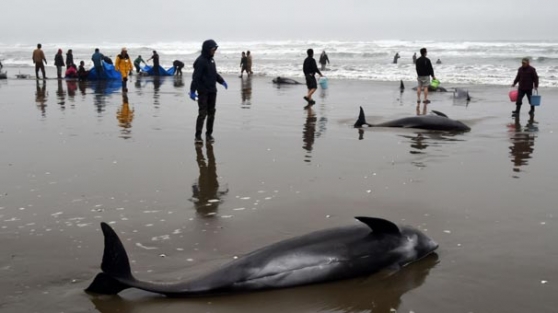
(432, 89)
(436, 121)
(286, 81)
(327, 255)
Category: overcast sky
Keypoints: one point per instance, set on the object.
(151, 21)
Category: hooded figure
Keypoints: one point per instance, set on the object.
(124, 66)
(204, 81)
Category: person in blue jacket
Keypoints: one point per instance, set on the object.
(204, 81)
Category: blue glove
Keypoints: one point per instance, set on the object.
(225, 85)
(193, 95)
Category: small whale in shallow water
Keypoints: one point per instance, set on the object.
(326, 255)
(436, 121)
(286, 81)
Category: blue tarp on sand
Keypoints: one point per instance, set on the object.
(162, 72)
(109, 73)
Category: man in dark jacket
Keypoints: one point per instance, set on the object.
(527, 78)
(424, 71)
(204, 78)
(310, 68)
(155, 58)
(177, 65)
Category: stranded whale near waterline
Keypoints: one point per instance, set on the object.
(436, 121)
(326, 255)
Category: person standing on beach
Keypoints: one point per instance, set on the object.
(177, 66)
(59, 63)
(82, 73)
(204, 81)
(69, 58)
(249, 63)
(38, 59)
(123, 64)
(155, 58)
(424, 71)
(528, 79)
(137, 63)
(310, 68)
(415, 58)
(97, 58)
(323, 60)
(243, 64)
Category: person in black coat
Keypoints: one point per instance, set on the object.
(177, 65)
(204, 81)
(59, 63)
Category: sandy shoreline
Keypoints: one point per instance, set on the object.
(74, 159)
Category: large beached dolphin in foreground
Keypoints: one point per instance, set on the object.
(327, 255)
(436, 121)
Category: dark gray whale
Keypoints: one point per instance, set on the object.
(436, 121)
(286, 81)
(326, 255)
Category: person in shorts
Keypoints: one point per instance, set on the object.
(424, 71)
(310, 68)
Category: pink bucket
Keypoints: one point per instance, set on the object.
(513, 95)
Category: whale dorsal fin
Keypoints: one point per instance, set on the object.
(438, 113)
(379, 225)
(361, 119)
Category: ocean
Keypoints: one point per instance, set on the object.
(485, 63)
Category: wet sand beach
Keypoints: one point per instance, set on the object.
(77, 154)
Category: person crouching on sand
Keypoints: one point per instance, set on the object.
(124, 66)
(310, 68)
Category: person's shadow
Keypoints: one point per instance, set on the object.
(206, 193)
(246, 92)
(41, 97)
(379, 293)
(523, 142)
(125, 116)
(309, 134)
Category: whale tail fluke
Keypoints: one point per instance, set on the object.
(361, 121)
(115, 266)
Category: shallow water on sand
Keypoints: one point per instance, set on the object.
(76, 155)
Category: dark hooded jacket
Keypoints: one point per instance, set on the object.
(527, 78)
(205, 74)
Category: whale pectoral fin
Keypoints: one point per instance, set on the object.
(438, 113)
(379, 225)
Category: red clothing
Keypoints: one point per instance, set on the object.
(527, 78)
(71, 72)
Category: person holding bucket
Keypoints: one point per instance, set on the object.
(528, 79)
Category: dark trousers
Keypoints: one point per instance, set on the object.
(99, 71)
(137, 68)
(521, 94)
(519, 102)
(39, 66)
(206, 107)
(156, 70)
(59, 71)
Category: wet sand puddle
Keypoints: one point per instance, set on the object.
(78, 154)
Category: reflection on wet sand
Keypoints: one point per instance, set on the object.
(308, 133)
(125, 115)
(61, 94)
(71, 85)
(246, 92)
(82, 85)
(178, 82)
(380, 293)
(523, 142)
(41, 97)
(157, 82)
(206, 194)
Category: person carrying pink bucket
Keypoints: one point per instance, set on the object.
(528, 79)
